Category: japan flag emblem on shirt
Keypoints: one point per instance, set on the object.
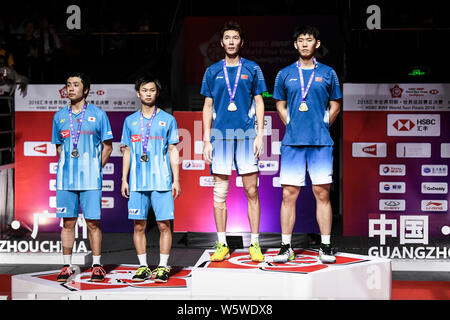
(91, 119)
(162, 123)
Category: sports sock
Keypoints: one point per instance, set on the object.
(142, 259)
(163, 258)
(222, 237)
(67, 259)
(96, 260)
(325, 239)
(286, 238)
(254, 238)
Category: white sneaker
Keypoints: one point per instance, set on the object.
(326, 254)
(284, 255)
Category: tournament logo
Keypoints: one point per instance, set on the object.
(118, 277)
(305, 261)
(63, 92)
(396, 91)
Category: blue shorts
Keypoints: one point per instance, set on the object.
(295, 160)
(140, 202)
(239, 151)
(68, 203)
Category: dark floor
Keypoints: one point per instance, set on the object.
(118, 248)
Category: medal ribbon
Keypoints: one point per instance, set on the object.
(147, 135)
(76, 137)
(227, 80)
(300, 72)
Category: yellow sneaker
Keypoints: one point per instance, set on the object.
(255, 253)
(222, 252)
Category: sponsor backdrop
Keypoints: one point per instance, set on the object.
(396, 154)
(36, 163)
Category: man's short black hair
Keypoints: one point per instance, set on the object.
(305, 29)
(311, 30)
(147, 78)
(232, 25)
(84, 79)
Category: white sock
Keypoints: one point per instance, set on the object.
(96, 260)
(254, 238)
(163, 258)
(222, 237)
(325, 239)
(286, 238)
(67, 259)
(142, 259)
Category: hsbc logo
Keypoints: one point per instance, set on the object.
(100, 92)
(39, 149)
(424, 125)
(403, 125)
(369, 149)
(434, 205)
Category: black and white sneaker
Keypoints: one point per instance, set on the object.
(326, 254)
(284, 255)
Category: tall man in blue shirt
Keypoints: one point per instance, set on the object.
(233, 90)
(152, 159)
(83, 137)
(308, 101)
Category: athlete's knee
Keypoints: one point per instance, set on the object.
(251, 192)
(164, 226)
(321, 194)
(220, 191)
(139, 225)
(93, 225)
(290, 194)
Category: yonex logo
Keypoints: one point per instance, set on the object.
(61, 210)
(134, 212)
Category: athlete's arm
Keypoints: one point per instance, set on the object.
(106, 151)
(258, 146)
(174, 157)
(58, 149)
(125, 169)
(335, 107)
(207, 115)
(282, 110)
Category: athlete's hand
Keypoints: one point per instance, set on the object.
(258, 146)
(125, 189)
(207, 151)
(176, 189)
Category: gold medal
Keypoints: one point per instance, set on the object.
(303, 107)
(232, 107)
